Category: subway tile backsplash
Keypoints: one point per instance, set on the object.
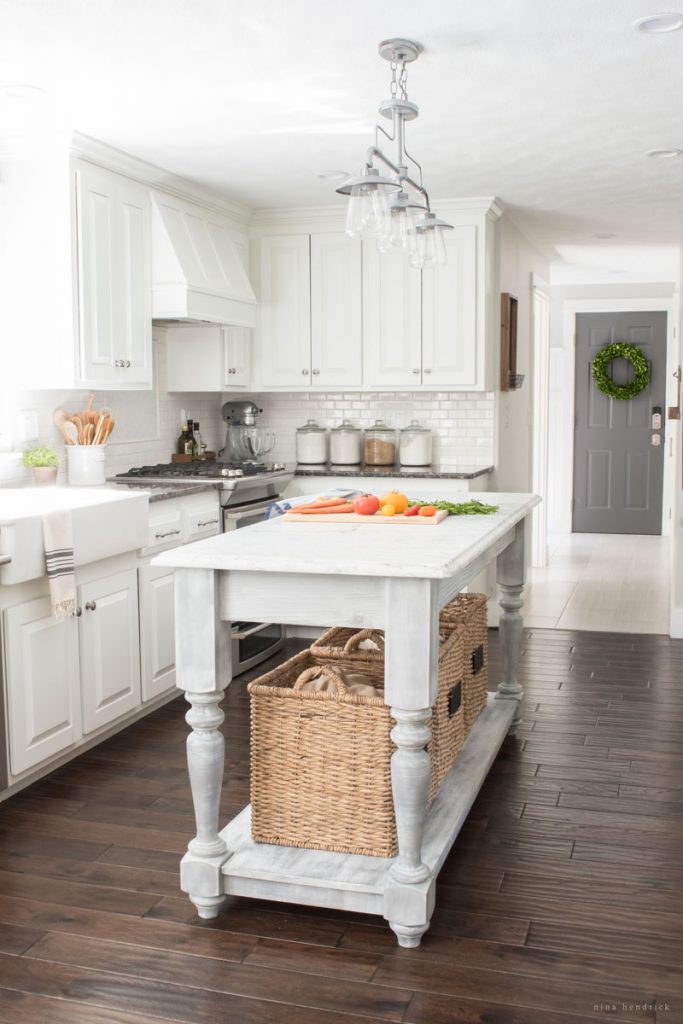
(462, 422)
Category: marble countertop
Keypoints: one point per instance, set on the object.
(164, 491)
(412, 473)
(357, 549)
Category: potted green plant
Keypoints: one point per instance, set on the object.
(44, 460)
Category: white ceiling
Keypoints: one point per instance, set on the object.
(548, 104)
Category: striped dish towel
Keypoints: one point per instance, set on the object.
(59, 561)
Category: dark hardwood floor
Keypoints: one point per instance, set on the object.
(559, 904)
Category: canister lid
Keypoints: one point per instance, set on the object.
(347, 427)
(415, 427)
(310, 427)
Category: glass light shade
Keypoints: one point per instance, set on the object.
(359, 211)
(401, 226)
(434, 247)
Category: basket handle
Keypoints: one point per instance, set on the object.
(315, 672)
(354, 642)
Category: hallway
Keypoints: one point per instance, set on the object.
(602, 582)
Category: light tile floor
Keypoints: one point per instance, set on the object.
(603, 582)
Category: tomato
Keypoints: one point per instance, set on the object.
(366, 505)
(395, 498)
(388, 510)
(427, 510)
(412, 511)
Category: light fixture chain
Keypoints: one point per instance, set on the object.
(403, 81)
(394, 80)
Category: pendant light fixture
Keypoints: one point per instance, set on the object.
(394, 208)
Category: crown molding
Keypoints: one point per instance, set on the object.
(333, 218)
(94, 151)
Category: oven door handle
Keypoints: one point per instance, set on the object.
(244, 633)
(247, 513)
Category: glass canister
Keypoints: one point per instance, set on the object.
(345, 444)
(311, 444)
(380, 445)
(415, 445)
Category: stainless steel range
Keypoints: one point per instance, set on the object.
(247, 489)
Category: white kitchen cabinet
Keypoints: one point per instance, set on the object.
(310, 311)
(157, 631)
(42, 683)
(449, 314)
(109, 648)
(336, 320)
(114, 277)
(208, 358)
(392, 326)
(284, 324)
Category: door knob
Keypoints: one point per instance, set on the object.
(90, 606)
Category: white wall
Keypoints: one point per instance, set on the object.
(675, 427)
(462, 423)
(147, 422)
(518, 259)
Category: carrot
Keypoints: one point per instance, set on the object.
(325, 511)
(323, 503)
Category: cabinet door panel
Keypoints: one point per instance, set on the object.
(110, 649)
(96, 231)
(133, 262)
(157, 631)
(449, 314)
(285, 311)
(336, 358)
(237, 358)
(43, 685)
(391, 320)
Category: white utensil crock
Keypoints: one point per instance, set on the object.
(85, 464)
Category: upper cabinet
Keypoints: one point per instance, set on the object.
(335, 315)
(207, 357)
(309, 328)
(114, 280)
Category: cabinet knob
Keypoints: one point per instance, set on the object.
(316, 372)
(90, 606)
(78, 613)
(416, 371)
(118, 362)
(426, 371)
(305, 373)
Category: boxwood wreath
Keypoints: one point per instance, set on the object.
(602, 365)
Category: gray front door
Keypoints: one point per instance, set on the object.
(618, 471)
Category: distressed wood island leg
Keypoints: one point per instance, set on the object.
(203, 671)
(411, 677)
(511, 573)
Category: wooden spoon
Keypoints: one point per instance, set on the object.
(70, 432)
(110, 426)
(101, 429)
(78, 422)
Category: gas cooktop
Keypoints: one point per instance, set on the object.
(201, 470)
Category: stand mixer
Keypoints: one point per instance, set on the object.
(245, 443)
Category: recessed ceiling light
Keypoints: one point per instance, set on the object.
(21, 91)
(606, 234)
(656, 24)
(664, 154)
(333, 175)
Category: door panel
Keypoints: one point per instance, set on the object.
(157, 631)
(449, 313)
(392, 327)
(285, 311)
(335, 310)
(618, 472)
(43, 685)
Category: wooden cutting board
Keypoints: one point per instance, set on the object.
(353, 517)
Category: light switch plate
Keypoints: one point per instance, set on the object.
(28, 425)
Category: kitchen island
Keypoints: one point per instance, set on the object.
(319, 574)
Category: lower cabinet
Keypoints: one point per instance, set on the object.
(42, 685)
(157, 631)
(110, 648)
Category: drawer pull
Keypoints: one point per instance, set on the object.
(169, 533)
(207, 522)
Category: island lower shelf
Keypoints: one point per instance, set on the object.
(349, 881)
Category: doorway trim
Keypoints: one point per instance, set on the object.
(570, 307)
(540, 391)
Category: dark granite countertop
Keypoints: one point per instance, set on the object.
(413, 473)
(163, 491)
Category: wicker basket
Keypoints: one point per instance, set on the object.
(320, 764)
(342, 645)
(469, 610)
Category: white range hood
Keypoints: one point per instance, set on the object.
(197, 272)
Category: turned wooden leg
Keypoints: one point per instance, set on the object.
(411, 675)
(203, 671)
(511, 578)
